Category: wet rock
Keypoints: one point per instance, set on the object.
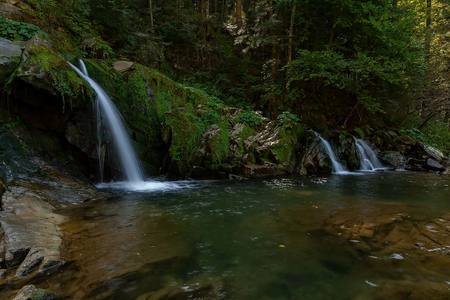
(414, 164)
(30, 292)
(33, 259)
(264, 170)
(31, 233)
(10, 56)
(314, 159)
(433, 165)
(394, 158)
(200, 288)
(346, 151)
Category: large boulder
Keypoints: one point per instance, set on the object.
(433, 165)
(314, 159)
(10, 56)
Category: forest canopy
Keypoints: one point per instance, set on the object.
(334, 63)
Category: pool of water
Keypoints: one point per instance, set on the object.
(262, 239)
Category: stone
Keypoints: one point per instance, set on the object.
(198, 288)
(433, 153)
(3, 273)
(30, 263)
(10, 56)
(433, 165)
(31, 230)
(123, 66)
(394, 158)
(314, 159)
(30, 292)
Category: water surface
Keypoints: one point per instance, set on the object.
(262, 239)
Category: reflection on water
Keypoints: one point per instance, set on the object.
(295, 238)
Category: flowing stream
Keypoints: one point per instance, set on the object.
(367, 156)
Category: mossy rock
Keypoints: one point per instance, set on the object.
(44, 68)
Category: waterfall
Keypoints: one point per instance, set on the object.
(338, 168)
(108, 115)
(368, 158)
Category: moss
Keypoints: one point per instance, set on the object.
(188, 112)
(68, 84)
(220, 145)
(285, 151)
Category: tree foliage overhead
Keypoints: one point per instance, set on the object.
(335, 63)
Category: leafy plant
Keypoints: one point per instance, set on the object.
(14, 30)
(288, 120)
(250, 118)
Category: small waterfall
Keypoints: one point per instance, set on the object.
(107, 114)
(338, 168)
(368, 158)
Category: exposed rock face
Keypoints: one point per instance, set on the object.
(394, 158)
(315, 160)
(10, 56)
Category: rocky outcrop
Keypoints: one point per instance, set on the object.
(314, 159)
(10, 56)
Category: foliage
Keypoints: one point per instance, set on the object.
(436, 134)
(14, 30)
(288, 120)
(250, 118)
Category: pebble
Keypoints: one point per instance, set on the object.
(371, 283)
(397, 256)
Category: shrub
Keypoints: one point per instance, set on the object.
(14, 30)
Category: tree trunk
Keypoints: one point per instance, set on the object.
(291, 33)
(150, 10)
(428, 31)
(238, 12)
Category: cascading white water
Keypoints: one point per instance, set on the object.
(338, 168)
(107, 111)
(107, 114)
(368, 158)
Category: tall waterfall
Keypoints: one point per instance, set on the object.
(107, 111)
(368, 158)
(338, 168)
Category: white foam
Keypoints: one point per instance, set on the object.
(148, 186)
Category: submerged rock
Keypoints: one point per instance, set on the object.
(30, 292)
(198, 288)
